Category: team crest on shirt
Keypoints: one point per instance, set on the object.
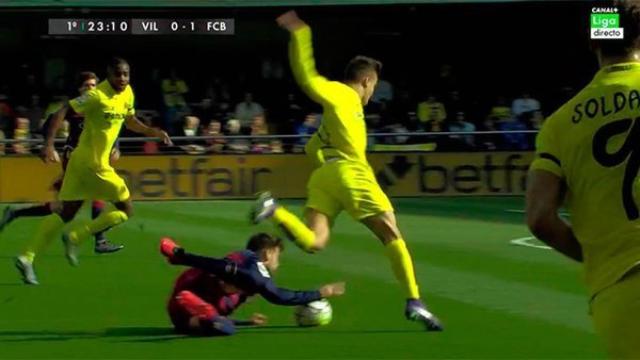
(359, 114)
(263, 269)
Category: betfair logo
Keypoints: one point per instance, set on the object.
(605, 24)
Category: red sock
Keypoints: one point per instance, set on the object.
(196, 306)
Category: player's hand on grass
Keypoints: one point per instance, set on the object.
(49, 154)
(290, 21)
(331, 290)
(258, 319)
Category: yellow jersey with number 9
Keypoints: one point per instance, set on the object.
(593, 143)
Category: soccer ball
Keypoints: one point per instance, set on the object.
(315, 313)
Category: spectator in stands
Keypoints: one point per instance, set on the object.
(460, 124)
(191, 126)
(524, 106)
(234, 145)
(217, 142)
(191, 129)
(431, 114)
(259, 127)
(500, 110)
(514, 141)
(173, 90)
(276, 146)
(247, 110)
(307, 127)
(21, 132)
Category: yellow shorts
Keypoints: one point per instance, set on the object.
(344, 185)
(616, 316)
(81, 182)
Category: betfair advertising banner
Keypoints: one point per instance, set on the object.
(235, 176)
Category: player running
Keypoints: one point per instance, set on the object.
(206, 294)
(89, 176)
(86, 81)
(587, 159)
(343, 179)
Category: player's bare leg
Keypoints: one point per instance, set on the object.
(310, 237)
(320, 224)
(385, 227)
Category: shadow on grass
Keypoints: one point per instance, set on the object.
(162, 334)
(146, 334)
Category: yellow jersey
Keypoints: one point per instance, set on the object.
(593, 143)
(343, 132)
(104, 112)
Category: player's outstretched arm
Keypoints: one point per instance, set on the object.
(280, 296)
(49, 153)
(301, 58)
(139, 127)
(544, 198)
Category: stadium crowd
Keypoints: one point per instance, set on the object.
(212, 108)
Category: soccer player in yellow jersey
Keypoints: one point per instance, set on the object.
(587, 159)
(343, 179)
(89, 176)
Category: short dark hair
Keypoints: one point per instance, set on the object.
(263, 241)
(629, 21)
(115, 61)
(84, 76)
(360, 66)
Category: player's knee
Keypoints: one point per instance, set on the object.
(384, 227)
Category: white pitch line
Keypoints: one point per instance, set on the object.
(525, 242)
(518, 211)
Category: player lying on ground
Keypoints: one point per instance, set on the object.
(86, 81)
(343, 179)
(89, 176)
(205, 295)
(587, 159)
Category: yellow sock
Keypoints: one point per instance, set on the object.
(294, 228)
(105, 220)
(402, 266)
(47, 231)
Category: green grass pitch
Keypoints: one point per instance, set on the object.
(497, 300)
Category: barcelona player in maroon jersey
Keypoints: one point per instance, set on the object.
(206, 294)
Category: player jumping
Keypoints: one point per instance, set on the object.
(86, 81)
(205, 295)
(343, 179)
(587, 159)
(89, 176)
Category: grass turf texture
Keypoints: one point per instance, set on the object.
(497, 300)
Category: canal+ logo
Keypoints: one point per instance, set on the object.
(605, 24)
